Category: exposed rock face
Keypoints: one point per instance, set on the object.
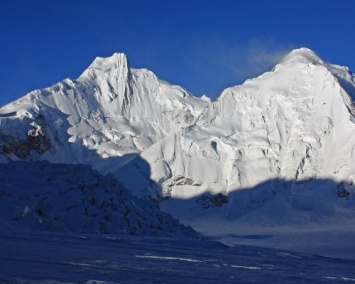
(344, 189)
(207, 200)
(36, 140)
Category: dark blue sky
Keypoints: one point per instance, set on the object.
(203, 45)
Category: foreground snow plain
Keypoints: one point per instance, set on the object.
(53, 258)
(49, 237)
(335, 241)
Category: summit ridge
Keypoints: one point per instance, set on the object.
(284, 140)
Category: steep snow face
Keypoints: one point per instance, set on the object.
(111, 110)
(294, 123)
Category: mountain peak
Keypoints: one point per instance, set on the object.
(111, 75)
(115, 64)
(115, 58)
(302, 55)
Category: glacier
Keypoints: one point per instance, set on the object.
(62, 259)
(275, 154)
(283, 124)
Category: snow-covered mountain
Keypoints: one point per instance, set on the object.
(110, 111)
(289, 132)
(295, 122)
(281, 144)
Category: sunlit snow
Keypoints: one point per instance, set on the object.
(270, 163)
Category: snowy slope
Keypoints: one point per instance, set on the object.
(110, 111)
(278, 150)
(77, 199)
(286, 136)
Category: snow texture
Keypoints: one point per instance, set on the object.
(275, 152)
(52, 258)
(110, 111)
(40, 196)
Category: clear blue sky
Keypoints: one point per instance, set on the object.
(203, 45)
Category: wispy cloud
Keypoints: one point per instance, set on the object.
(218, 64)
(256, 57)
